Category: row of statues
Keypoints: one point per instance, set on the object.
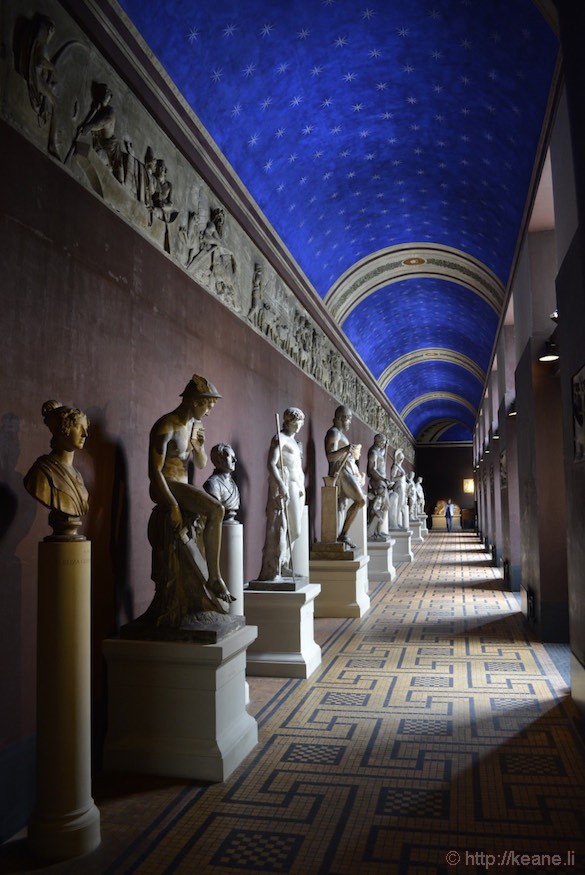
(185, 526)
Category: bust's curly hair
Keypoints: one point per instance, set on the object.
(59, 419)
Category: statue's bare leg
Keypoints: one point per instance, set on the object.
(351, 491)
(196, 500)
(212, 541)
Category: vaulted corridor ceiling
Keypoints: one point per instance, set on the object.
(391, 145)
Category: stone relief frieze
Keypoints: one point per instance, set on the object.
(65, 98)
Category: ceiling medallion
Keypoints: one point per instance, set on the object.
(414, 261)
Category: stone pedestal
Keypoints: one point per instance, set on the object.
(423, 525)
(344, 586)
(178, 708)
(380, 566)
(402, 546)
(65, 821)
(285, 646)
(415, 527)
(440, 523)
(231, 563)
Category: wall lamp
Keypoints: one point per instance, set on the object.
(550, 352)
(512, 411)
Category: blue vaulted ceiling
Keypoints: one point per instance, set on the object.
(358, 127)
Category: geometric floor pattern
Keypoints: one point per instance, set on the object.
(435, 737)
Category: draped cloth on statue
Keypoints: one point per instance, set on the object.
(179, 571)
(59, 487)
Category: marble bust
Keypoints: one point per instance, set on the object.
(221, 484)
(53, 480)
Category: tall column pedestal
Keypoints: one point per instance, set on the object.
(231, 563)
(178, 708)
(65, 821)
(381, 566)
(402, 547)
(286, 645)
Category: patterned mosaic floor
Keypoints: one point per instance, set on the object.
(434, 738)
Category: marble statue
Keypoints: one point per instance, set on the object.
(286, 497)
(185, 584)
(53, 480)
(411, 497)
(344, 472)
(221, 485)
(378, 486)
(398, 516)
(420, 496)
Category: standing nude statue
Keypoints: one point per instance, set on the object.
(378, 486)
(342, 457)
(411, 497)
(399, 507)
(286, 497)
(420, 498)
(182, 584)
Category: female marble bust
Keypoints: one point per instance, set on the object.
(53, 480)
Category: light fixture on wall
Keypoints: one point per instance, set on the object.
(469, 485)
(512, 410)
(550, 352)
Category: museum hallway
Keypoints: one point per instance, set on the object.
(434, 734)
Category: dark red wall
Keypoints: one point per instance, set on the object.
(95, 316)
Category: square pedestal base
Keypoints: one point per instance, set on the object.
(178, 708)
(380, 566)
(344, 587)
(440, 523)
(416, 528)
(402, 547)
(285, 646)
